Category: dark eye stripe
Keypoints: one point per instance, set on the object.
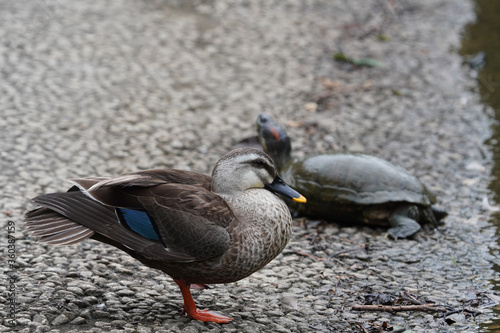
(262, 164)
(259, 163)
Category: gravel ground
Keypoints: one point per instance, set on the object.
(103, 88)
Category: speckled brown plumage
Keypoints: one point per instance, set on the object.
(215, 229)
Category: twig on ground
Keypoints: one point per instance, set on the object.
(419, 307)
(411, 298)
(472, 312)
(309, 255)
(398, 308)
(336, 254)
(363, 329)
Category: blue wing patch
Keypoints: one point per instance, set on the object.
(137, 221)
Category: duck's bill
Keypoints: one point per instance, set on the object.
(278, 186)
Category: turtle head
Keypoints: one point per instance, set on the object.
(274, 139)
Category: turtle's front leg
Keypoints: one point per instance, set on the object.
(403, 222)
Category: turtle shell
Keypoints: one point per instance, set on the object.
(355, 180)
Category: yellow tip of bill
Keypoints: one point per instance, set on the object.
(300, 199)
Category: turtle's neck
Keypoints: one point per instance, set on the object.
(280, 152)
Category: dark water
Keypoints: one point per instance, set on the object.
(484, 36)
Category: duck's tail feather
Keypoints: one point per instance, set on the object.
(53, 228)
(58, 219)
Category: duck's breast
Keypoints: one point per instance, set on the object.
(261, 232)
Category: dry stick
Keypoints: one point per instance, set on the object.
(472, 312)
(308, 255)
(411, 299)
(362, 327)
(423, 307)
(398, 308)
(336, 254)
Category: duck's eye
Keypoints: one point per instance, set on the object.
(259, 163)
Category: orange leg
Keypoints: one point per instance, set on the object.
(191, 310)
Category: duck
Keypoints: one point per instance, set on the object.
(196, 228)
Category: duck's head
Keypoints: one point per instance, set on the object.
(274, 139)
(247, 168)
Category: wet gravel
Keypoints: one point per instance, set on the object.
(103, 88)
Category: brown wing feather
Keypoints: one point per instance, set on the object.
(122, 191)
(147, 178)
(81, 210)
(54, 228)
(191, 220)
(86, 183)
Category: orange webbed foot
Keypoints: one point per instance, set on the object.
(207, 316)
(190, 308)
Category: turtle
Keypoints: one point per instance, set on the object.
(351, 188)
